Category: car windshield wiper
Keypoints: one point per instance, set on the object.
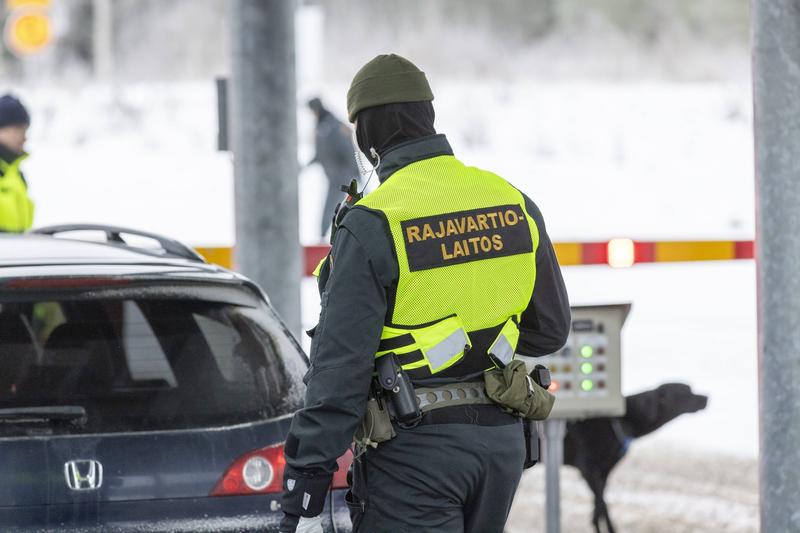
(68, 413)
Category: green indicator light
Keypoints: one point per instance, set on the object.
(587, 351)
(587, 385)
(586, 368)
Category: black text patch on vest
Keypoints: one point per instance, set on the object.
(464, 236)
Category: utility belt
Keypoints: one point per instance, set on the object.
(404, 404)
(395, 400)
(453, 394)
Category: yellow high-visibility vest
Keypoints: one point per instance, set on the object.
(466, 252)
(16, 207)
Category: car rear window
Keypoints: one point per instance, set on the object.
(142, 364)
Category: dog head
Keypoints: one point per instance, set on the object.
(648, 411)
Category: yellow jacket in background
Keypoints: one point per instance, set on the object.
(16, 207)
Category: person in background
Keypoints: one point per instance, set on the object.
(16, 207)
(334, 151)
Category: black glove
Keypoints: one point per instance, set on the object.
(304, 492)
(289, 523)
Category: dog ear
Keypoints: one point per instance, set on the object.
(641, 413)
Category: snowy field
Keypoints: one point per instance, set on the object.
(601, 160)
(646, 161)
(655, 489)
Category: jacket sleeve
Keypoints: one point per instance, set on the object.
(353, 310)
(545, 324)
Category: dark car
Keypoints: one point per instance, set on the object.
(141, 389)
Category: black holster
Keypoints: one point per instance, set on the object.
(403, 404)
(531, 443)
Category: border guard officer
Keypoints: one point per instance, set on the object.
(435, 280)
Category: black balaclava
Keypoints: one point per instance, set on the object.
(385, 126)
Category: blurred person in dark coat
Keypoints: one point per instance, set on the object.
(334, 151)
(16, 207)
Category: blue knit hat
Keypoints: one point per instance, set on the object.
(12, 112)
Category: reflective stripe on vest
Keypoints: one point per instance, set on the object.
(505, 344)
(466, 250)
(437, 346)
(441, 355)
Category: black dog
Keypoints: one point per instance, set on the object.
(594, 446)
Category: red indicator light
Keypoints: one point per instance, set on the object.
(554, 386)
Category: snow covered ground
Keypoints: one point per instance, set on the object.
(655, 489)
(646, 161)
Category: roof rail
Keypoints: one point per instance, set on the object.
(113, 235)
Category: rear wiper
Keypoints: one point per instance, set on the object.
(68, 413)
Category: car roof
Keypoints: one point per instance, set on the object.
(31, 255)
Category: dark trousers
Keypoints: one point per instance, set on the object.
(441, 477)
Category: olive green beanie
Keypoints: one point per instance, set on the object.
(387, 79)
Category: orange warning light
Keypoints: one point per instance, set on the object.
(27, 32)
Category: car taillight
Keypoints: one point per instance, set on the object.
(256, 472)
(261, 472)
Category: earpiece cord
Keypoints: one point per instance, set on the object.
(373, 171)
(362, 168)
(359, 157)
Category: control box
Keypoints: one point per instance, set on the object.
(586, 372)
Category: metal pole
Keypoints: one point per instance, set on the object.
(103, 39)
(554, 432)
(264, 138)
(223, 115)
(776, 90)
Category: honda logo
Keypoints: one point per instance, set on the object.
(84, 474)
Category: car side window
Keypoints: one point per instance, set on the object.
(222, 340)
(145, 357)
